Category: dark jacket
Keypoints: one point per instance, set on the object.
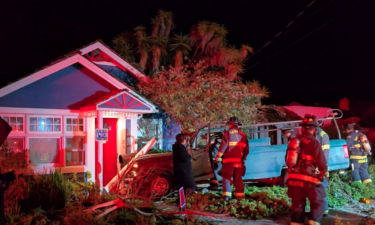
(354, 144)
(234, 145)
(182, 170)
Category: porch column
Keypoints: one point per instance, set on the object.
(99, 165)
(134, 134)
(90, 148)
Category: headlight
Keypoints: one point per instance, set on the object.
(133, 173)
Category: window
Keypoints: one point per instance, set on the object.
(201, 141)
(74, 124)
(44, 150)
(45, 124)
(74, 151)
(15, 122)
(16, 144)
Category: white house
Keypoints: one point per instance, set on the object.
(54, 113)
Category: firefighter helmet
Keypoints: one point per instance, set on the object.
(235, 121)
(349, 126)
(309, 120)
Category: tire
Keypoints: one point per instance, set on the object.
(161, 185)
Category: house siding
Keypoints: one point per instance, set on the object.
(70, 88)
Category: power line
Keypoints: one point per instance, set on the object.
(325, 5)
(278, 34)
(301, 39)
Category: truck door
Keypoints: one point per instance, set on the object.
(201, 164)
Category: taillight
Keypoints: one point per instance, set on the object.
(346, 151)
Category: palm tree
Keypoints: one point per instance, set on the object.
(218, 40)
(181, 48)
(159, 48)
(143, 46)
(169, 23)
(123, 46)
(155, 26)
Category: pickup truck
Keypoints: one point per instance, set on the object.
(265, 162)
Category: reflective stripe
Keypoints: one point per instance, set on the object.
(362, 161)
(239, 194)
(220, 159)
(307, 157)
(322, 133)
(357, 145)
(232, 160)
(358, 157)
(367, 181)
(303, 177)
(237, 144)
(325, 147)
(219, 154)
(227, 194)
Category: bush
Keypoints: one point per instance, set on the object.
(46, 191)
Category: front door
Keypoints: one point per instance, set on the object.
(110, 151)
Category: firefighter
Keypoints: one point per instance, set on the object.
(304, 155)
(358, 154)
(234, 148)
(216, 167)
(323, 140)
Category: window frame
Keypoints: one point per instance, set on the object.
(44, 116)
(61, 156)
(17, 116)
(75, 150)
(79, 133)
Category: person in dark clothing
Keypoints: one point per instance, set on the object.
(216, 166)
(358, 155)
(303, 181)
(182, 170)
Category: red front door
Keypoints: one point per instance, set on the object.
(110, 151)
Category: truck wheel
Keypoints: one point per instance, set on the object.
(161, 185)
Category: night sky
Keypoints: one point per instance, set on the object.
(333, 62)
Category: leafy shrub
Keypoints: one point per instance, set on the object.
(259, 203)
(47, 191)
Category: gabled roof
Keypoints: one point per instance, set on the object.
(116, 59)
(68, 60)
(120, 100)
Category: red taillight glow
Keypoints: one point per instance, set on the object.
(346, 151)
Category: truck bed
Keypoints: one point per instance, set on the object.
(267, 161)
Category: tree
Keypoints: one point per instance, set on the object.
(206, 41)
(206, 87)
(196, 95)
